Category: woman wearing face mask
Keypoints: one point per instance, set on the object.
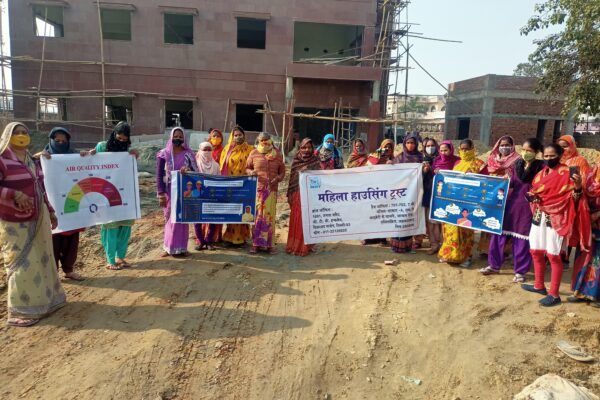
(586, 284)
(176, 156)
(265, 162)
(383, 155)
(207, 234)
(359, 155)
(115, 235)
(305, 160)
(216, 140)
(557, 205)
(329, 155)
(500, 163)
(410, 154)
(233, 163)
(65, 244)
(434, 230)
(517, 215)
(458, 242)
(26, 221)
(572, 159)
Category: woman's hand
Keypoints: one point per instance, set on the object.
(53, 221)
(23, 202)
(162, 200)
(577, 181)
(92, 152)
(426, 167)
(184, 170)
(251, 172)
(134, 153)
(436, 171)
(46, 155)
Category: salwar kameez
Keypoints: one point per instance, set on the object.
(587, 281)
(295, 243)
(115, 240)
(264, 224)
(66, 246)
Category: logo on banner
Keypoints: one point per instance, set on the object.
(314, 182)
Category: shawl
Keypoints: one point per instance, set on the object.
(414, 156)
(527, 174)
(204, 159)
(325, 154)
(443, 161)
(571, 157)
(7, 133)
(216, 153)
(500, 165)
(357, 159)
(429, 158)
(234, 157)
(469, 162)
(378, 157)
(300, 164)
(114, 145)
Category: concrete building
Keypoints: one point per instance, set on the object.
(424, 113)
(490, 106)
(196, 63)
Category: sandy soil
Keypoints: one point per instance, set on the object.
(337, 324)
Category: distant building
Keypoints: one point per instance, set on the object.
(424, 113)
(195, 64)
(490, 106)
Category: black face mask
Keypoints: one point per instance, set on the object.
(553, 162)
(115, 145)
(177, 142)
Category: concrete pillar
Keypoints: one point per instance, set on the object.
(487, 110)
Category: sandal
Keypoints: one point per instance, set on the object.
(272, 250)
(123, 263)
(74, 276)
(433, 250)
(575, 299)
(518, 278)
(576, 353)
(114, 267)
(253, 250)
(22, 322)
(489, 271)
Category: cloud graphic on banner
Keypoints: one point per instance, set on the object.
(479, 213)
(440, 213)
(452, 209)
(492, 223)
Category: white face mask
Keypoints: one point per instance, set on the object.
(430, 150)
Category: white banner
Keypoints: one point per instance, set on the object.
(92, 190)
(362, 203)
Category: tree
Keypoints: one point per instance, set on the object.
(569, 60)
(529, 69)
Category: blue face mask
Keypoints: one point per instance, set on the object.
(328, 146)
(59, 148)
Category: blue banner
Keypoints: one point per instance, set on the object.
(213, 199)
(470, 201)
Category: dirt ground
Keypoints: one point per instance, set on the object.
(338, 324)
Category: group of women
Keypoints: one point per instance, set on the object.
(553, 207)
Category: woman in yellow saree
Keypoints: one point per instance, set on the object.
(458, 242)
(233, 163)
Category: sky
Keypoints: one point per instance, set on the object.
(488, 29)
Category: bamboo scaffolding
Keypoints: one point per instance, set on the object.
(339, 119)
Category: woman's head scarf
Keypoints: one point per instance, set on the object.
(500, 165)
(7, 133)
(443, 161)
(114, 145)
(59, 148)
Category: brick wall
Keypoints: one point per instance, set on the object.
(461, 107)
(503, 82)
(587, 140)
(526, 106)
(468, 85)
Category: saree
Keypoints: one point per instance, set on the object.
(586, 284)
(358, 158)
(295, 241)
(458, 242)
(34, 289)
(233, 163)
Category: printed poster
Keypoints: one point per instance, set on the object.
(92, 190)
(213, 199)
(470, 201)
(369, 202)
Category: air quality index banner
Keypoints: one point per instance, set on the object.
(212, 199)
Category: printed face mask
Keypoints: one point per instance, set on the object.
(215, 141)
(20, 141)
(505, 150)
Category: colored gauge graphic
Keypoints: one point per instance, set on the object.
(91, 185)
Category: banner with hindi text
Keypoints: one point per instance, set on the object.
(362, 203)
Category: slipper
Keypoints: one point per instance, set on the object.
(550, 301)
(531, 288)
(22, 322)
(74, 276)
(272, 251)
(576, 353)
(165, 254)
(575, 299)
(114, 267)
(433, 250)
(488, 271)
(253, 250)
(518, 278)
(123, 264)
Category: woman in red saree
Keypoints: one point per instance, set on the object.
(305, 160)
(557, 206)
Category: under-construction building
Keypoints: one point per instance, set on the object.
(202, 64)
